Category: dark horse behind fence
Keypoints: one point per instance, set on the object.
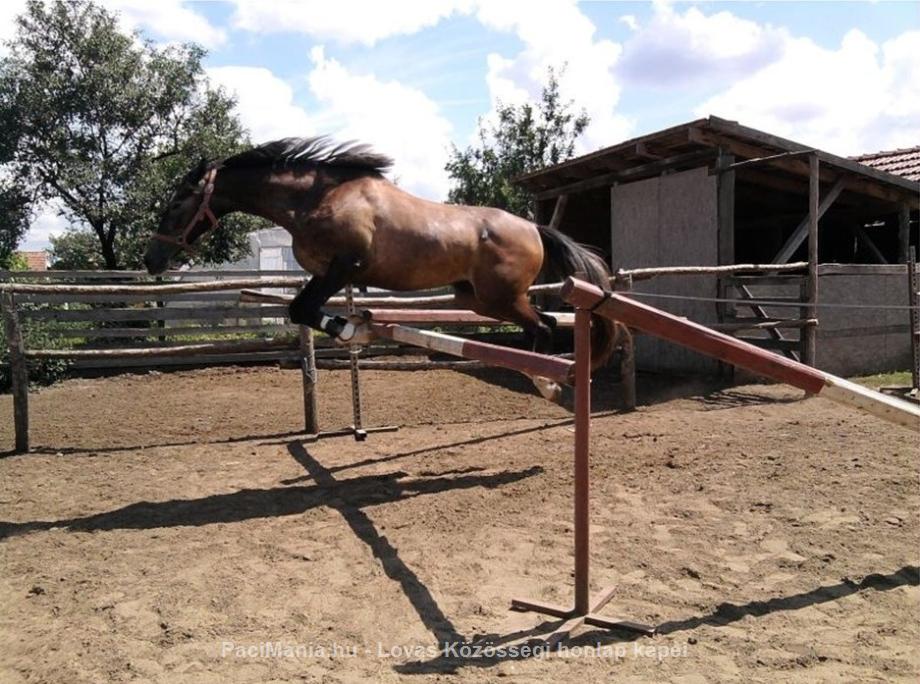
(351, 225)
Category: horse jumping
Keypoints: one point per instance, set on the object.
(349, 224)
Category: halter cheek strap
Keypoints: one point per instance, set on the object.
(204, 211)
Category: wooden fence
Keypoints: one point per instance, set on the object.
(123, 319)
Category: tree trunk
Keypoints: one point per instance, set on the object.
(108, 253)
(107, 242)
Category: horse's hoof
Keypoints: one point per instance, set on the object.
(355, 332)
(549, 390)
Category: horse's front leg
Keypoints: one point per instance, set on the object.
(307, 307)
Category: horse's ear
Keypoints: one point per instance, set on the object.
(196, 175)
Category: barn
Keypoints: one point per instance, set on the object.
(712, 192)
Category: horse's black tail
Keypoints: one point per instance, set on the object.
(564, 257)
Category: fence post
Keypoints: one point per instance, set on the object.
(627, 352)
(19, 372)
(809, 333)
(308, 371)
(913, 300)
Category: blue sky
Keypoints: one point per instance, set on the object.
(413, 76)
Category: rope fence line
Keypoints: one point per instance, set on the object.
(298, 281)
(766, 302)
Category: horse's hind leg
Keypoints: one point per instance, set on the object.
(536, 325)
(306, 308)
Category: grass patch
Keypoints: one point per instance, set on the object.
(898, 378)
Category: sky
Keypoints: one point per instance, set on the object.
(413, 77)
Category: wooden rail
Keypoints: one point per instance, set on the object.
(738, 353)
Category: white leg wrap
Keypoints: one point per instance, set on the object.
(347, 332)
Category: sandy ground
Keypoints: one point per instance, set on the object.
(168, 525)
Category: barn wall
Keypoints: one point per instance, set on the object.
(863, 341)
(669, 221)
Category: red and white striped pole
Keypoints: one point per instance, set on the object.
(529, 363)
(738, 353)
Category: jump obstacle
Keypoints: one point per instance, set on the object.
(588, 300)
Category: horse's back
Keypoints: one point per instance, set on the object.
(412, 243)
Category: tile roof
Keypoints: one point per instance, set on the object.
(36, 261)
(904, 162)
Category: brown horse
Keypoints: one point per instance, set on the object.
(351, 225)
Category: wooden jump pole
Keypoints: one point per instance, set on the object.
(738, 353)
(530, 363)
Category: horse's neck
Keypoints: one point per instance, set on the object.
(277, 197)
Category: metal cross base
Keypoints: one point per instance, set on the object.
(360, 434)
(574, 618)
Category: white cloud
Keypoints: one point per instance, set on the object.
(265, 103)
(47, 223)
(554, 33)
(398, 120)
(170, 20)
(344, 21)
(675, 49)
(856, 98)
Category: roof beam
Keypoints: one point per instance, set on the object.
(801, 232)
(863, 237)
(635, 173)
(792, 164)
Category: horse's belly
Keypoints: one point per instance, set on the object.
(409, 274)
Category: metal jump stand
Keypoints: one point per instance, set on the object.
(357, 428)
(585, 610)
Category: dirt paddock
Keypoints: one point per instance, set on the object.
(169, 525)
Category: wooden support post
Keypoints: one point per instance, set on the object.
(585, 611)
(582, 455)
(802, 230)
(903, 233)
(913, 300)
(726, 209)
(627, 353)
(725, 215)
(614, 265)
(308, 370)
(814, 188)
(19, 372)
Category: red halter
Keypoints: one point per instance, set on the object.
(204, 210)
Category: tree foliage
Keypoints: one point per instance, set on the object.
(104, 123)
(14, 220)
(524, 138)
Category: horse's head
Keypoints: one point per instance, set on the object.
(185, 220)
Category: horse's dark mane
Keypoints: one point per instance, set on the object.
(298, 152)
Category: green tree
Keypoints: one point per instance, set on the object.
(525, 138)
(76, 250)
(105, 123)
(14, 220)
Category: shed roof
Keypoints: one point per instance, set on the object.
(694, 143)
(36, 261)
(904, 162)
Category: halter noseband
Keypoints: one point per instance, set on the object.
(204, 210)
